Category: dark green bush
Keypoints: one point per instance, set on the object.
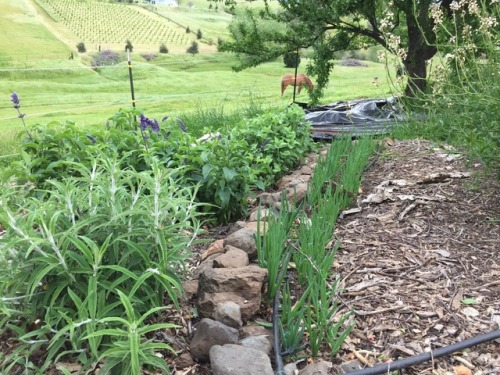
(193, 49)
(129, 46)
(291, 59)
(81, 47)
(163, 48)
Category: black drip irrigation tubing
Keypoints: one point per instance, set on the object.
(428, 356)
(278, 358)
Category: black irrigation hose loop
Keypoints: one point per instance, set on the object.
(428, 356)
(277, 343)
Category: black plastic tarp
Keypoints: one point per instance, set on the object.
(356, 117)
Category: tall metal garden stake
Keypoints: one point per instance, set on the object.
(130, 77)
(296, 68)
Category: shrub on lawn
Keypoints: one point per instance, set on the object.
(163, 48)
(105, 58)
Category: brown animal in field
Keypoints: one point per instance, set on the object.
(302, 80)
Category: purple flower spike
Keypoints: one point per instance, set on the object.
(165, 118)
(15, 100)
(91, 139)
(182, 125)
(144, 122)
(155, 127)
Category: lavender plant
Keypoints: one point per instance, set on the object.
(82, 246)
(106, 58)
(14, 98)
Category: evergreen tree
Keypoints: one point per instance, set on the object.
(291, 59)
(81, 47)
(129, 46)
(163, 48)
(193, 49)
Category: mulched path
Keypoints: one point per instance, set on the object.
(419, 260)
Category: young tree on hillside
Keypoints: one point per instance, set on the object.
(129, 46)
(81, 47)
(163, 48)
(193, 49)
(403, 27)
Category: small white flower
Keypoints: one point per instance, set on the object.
(156, 271)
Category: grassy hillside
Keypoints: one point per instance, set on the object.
(109, 25)
(52, 88)
(25, 39)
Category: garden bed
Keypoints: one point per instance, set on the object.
(419, 266)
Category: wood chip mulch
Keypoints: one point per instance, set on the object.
(419, 260)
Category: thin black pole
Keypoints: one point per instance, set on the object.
(296, 67)
(130, 77)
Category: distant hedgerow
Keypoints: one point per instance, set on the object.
(291, 59)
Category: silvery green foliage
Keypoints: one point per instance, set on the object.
(91, 253)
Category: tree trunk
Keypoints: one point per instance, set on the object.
(421, 48)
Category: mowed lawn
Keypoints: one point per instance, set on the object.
(35, 64)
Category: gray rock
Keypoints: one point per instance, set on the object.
(240, 285)
(237, 360)
(307, 170)
(290, 368)
(189, 289)
(254, 329)
(208, 263)
(264, 214)
(318, 368)
(257, 342)
(269, 199)
(252, 225)
(297, 193)
(243, 239)
(184, 360)
(228, 313)
(209, 333)
(232, 258)
(351, 366)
